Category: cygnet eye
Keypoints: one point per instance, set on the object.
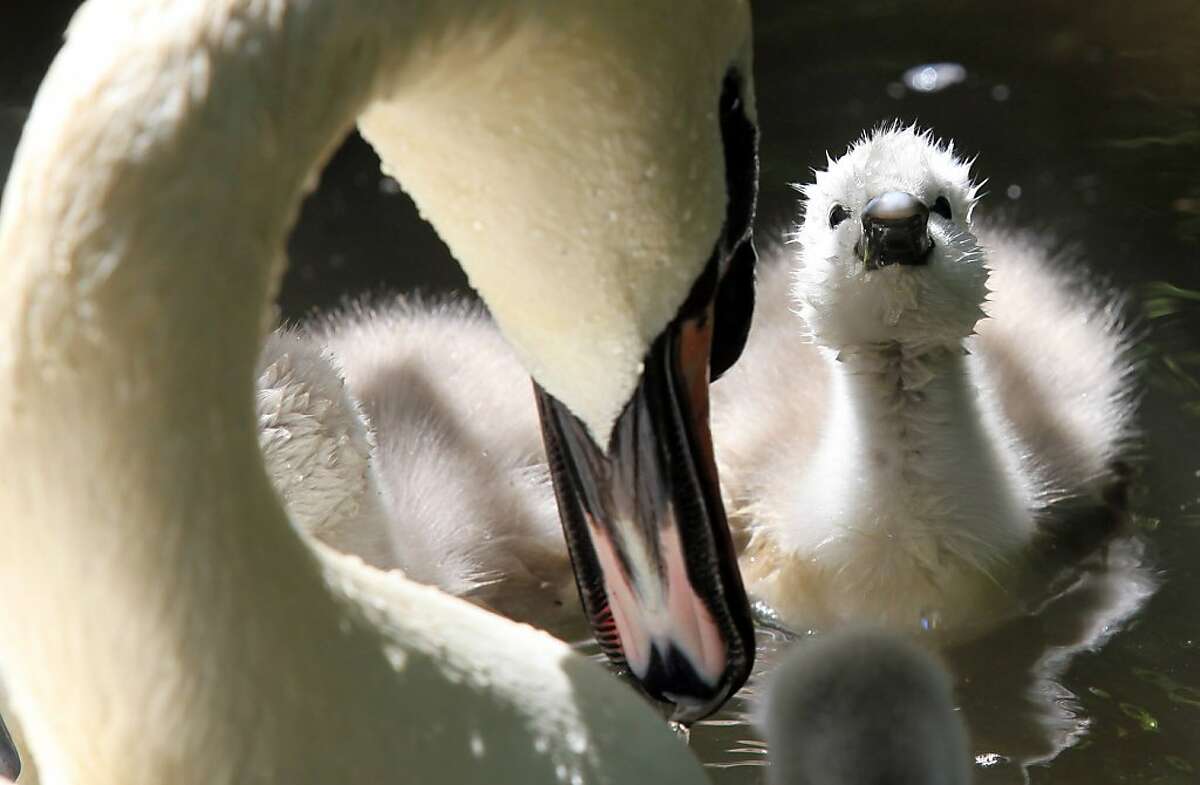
(837, 215)
(942, 207)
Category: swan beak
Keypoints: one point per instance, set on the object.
(895, 231)
(10, 761)
(646, 529)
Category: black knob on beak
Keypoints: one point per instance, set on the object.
(895, 231)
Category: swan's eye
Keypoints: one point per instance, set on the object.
(942, 207)
(837, 215)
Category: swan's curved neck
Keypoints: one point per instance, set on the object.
(150, 576)
(141, 236)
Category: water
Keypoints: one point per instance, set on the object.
(1086, 120)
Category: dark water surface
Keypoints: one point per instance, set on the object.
(1086, 121)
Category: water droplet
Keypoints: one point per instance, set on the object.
(577, 742)
(397, 658)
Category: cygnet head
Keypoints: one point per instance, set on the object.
(886, 253)
(860, 707)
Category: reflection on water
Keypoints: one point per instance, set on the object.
(1020, 711)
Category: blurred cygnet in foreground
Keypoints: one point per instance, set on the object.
(861, 707)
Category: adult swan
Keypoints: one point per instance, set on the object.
(593, 168)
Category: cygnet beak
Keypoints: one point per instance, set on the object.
(895, 231)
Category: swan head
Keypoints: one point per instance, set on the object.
(640, 499)
(857, 707)
(886, 252)
(593, 168)
(598, 182)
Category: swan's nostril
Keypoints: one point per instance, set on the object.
(895, 230)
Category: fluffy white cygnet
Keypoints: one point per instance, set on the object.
(859, 707)
(407, 434)
(922, 404)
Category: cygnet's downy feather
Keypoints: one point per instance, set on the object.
(456, 493)
(883, 461)
(860, 707)
(318, 448)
